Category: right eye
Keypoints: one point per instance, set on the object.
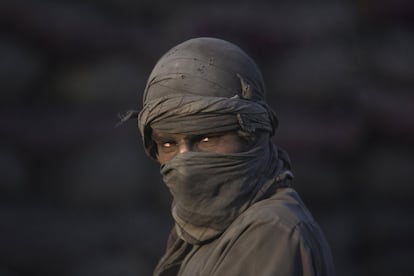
(166, 146)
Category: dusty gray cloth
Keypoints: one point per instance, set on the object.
(204, 85)
(275, 236)
(188, 114)
(232, 214)
(206, 67)
(210, 189)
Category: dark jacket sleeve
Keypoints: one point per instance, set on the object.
(269, 249)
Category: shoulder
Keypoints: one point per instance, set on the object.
(283, 212)
(276, 236)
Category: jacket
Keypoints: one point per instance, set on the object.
(276, 236)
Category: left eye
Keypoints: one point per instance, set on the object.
(205, 139)
(167, 145)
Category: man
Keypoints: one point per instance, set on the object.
(205, 120)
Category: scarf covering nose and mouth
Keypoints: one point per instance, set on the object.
(204, 86)
(210, 190)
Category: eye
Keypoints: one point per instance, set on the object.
(167, 144)
(205, 139)
(208, 142)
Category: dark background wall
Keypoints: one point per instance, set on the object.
(78, 196)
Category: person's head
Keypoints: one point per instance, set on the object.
(206, 121)
(204, 95)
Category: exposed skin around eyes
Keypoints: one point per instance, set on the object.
(170, 144)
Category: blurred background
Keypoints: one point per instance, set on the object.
(79, 197)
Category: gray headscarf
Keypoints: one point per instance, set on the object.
(202, 86)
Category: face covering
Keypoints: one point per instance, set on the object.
(211, 189)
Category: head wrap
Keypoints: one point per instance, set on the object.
(203, 86)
